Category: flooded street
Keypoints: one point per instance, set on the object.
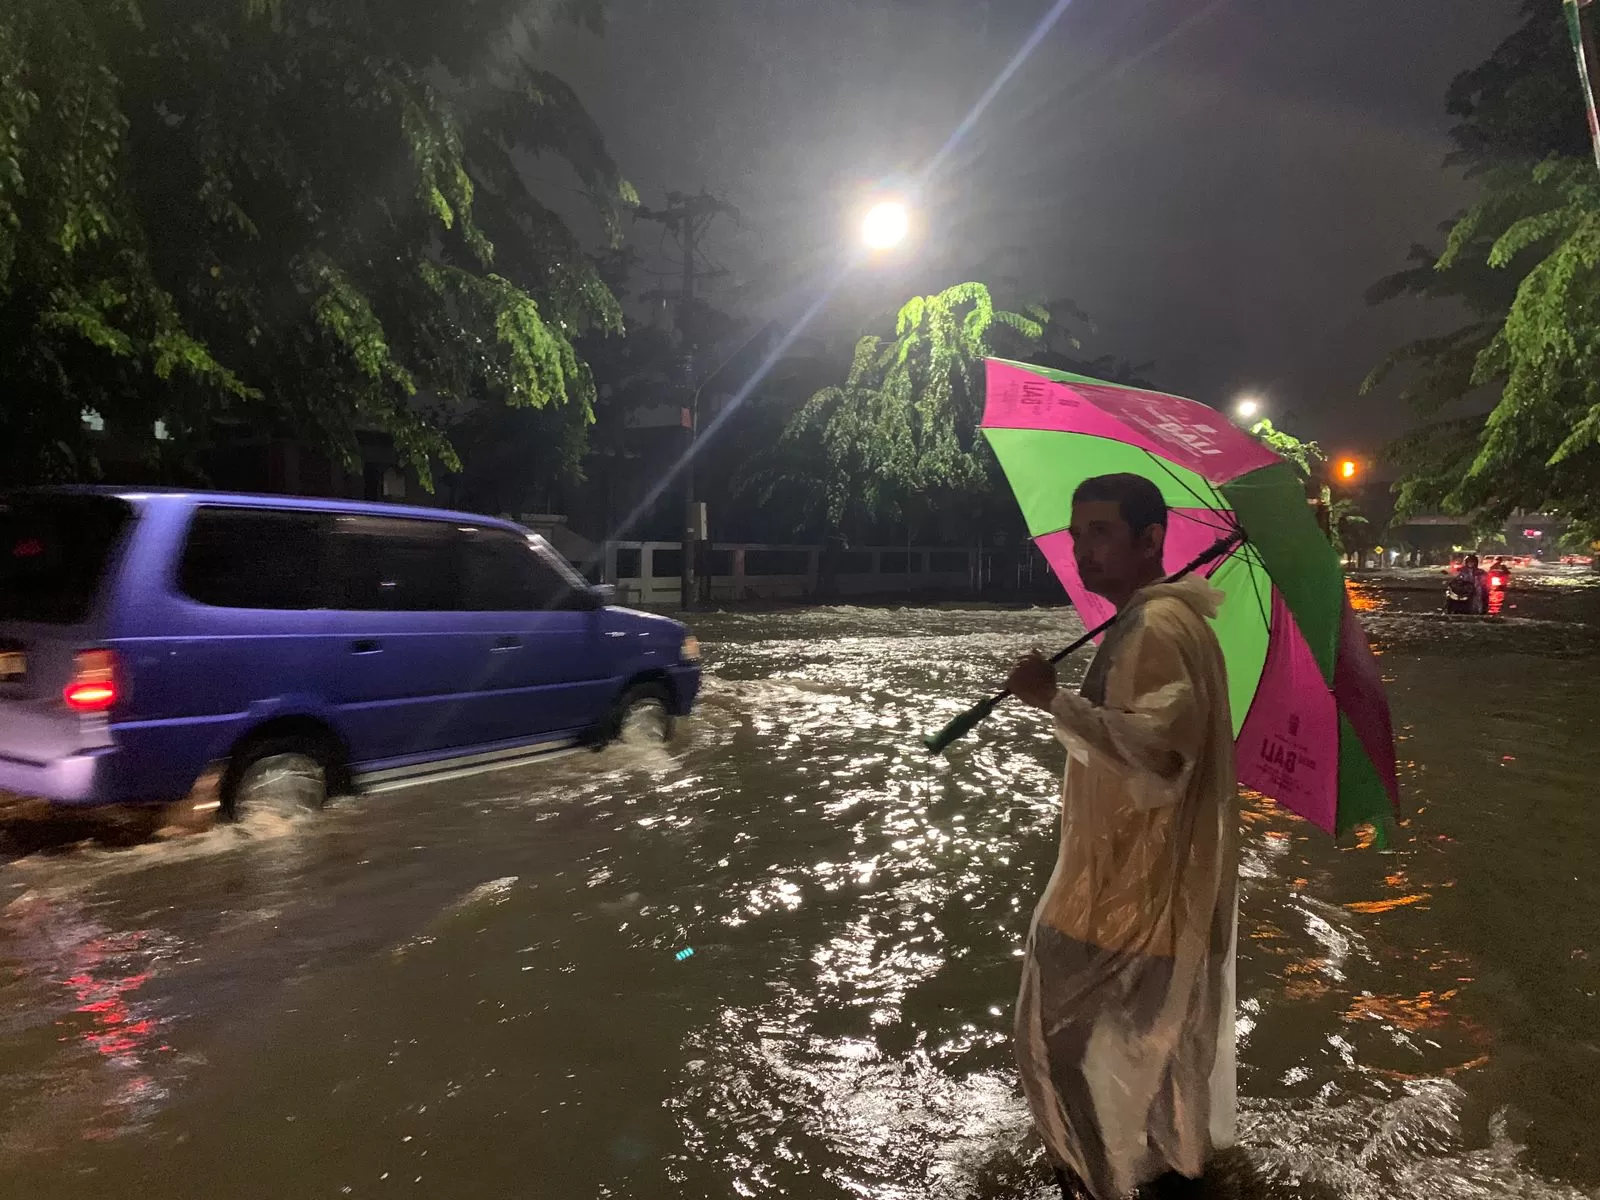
(488, 990)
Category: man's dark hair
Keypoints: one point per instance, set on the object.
(1138, 500)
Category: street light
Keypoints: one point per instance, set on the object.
(1347, 469)
(885, 225)
(1248, 409)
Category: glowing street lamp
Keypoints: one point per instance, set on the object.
(1248, 409)
(885, 225)
(1347, 469)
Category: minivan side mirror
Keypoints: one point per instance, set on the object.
(604, 595)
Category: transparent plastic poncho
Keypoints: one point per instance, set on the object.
(1125, 1020)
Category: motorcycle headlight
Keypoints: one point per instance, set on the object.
(689, 652)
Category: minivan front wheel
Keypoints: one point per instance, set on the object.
(644, 716)
(277, 776)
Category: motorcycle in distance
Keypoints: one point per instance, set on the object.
(1466, 592)
(1461, 596)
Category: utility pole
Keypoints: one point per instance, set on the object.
(1583, 49)
(687, 218)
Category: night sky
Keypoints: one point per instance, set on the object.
(1217, 183)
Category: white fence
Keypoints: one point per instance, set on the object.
(649, 573)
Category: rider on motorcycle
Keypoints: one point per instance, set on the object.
(1467, 591)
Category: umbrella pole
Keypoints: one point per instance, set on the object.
(969, 720)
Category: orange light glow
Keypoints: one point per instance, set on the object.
(1382, 906)
(1347, 469)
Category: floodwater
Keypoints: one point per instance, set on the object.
(486, 990)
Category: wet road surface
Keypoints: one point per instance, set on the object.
(481, 990)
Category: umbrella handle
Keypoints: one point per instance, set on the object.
(967, 721)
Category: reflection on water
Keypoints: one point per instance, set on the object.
(77, 995)
(483, 990)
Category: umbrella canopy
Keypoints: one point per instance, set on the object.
(1311, 721)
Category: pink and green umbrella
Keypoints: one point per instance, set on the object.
(1311, 722)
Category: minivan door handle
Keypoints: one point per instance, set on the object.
(365, 646)
(508, 641)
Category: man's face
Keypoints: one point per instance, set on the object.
(1112, 561)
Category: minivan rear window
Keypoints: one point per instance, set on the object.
(53, 554)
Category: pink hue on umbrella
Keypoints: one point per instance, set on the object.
(1180, 431)
(1288, 747)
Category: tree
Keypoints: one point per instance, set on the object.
(1525, 262)
(896, 443)
(298, 214)
(1307, 457)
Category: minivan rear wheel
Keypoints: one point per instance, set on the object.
(278, 776)
(644, 716)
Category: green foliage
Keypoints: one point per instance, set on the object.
(295, 215)
(897, 441)
(1525, 262)
(1349, 529)
(1306, 456)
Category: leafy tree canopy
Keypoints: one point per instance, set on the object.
(1524, 261)
(1306, 456)
(897, 441)
(298, 214)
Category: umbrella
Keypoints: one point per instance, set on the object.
(1311, 722)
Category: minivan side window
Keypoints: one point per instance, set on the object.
(504, 573)
(391, 564)
(254, 558)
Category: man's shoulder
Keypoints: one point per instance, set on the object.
(1172, 622)
(1173, 614)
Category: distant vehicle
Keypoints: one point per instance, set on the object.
(291, 647)
(1467, 590)
(1461, 595)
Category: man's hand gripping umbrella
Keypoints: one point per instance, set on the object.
(970, 719)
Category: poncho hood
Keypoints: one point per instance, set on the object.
(1192, 590)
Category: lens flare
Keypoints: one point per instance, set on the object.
(885, 226)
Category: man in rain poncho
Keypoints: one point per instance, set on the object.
(1124, 1031)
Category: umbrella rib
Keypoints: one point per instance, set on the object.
(1231, 526)
(1253, 558)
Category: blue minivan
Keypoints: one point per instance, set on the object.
(270, 646)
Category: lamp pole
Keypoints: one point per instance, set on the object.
(688, 218)
(885, 225)
(1583, 51)
(692, 532)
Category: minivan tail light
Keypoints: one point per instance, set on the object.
(94, 682)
